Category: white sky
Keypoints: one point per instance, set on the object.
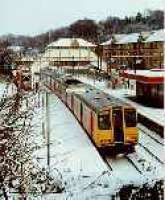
(36, 16)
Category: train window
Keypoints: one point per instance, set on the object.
(130, 118)
(104, 121)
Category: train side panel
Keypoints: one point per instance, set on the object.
(70, 100)
(77, 108)
(87, 118)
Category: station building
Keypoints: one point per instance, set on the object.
(149, 86)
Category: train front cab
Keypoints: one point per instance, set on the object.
(116, 127)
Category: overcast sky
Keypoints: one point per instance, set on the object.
(31, 17)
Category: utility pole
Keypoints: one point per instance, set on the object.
(47, 130)
(45, 124)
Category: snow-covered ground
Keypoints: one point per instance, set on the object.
(74, 159)
(77, 164)
(153, 146)
(155, 114)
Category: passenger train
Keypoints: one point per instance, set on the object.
(108, 121)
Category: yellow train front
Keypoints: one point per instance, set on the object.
(108, 121)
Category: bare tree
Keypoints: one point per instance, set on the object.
(17, 171)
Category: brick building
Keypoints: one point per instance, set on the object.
(135, 50)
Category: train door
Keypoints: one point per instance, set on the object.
(92, 118)
(118, 125)
(81, 112)
(71, 101)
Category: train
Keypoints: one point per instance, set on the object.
(108, 121)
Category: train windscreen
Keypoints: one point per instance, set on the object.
(130, 117)
(104, 121)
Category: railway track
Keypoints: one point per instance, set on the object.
(120, 165)
(141, 128)
(151, 153)
(133, 163)
(153, 146)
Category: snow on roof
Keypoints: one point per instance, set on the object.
(114, 39)
(130, 38)
(146, 73)
(71, 42)
(133, 37)
(108, 42)
(152, 36)
(157, 36)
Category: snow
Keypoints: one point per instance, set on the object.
(74, 156)
(157, 36)
(129, 38)
(74, 161)
(152, 134)
(146, 73)
(71, 42)
(121, 166)
(149, 167)
(152, 145)
(114, 39)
